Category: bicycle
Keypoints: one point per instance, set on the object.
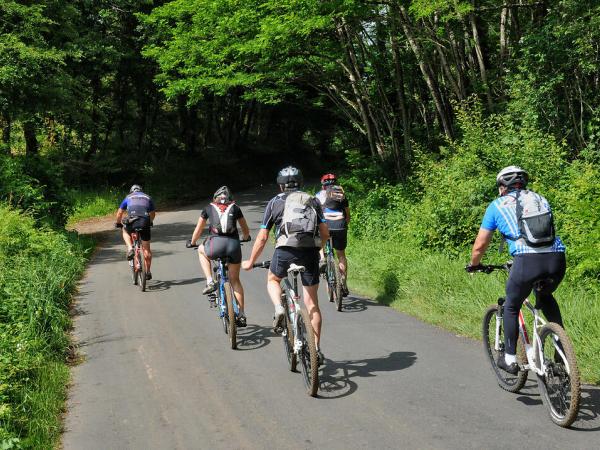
(138, 263)
(332, 276)
(224, 297)
(548, 353)
(297, 332)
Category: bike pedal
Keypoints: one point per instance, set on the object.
(278, 330)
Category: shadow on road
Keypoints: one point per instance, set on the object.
(337, 377)
(254, 337)
(163, 285)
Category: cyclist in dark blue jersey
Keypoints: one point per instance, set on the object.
(140, 214)
(300, 231)
(531, 261)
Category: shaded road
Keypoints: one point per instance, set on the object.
(157, 372)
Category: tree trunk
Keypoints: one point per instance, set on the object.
(31, 143)
(6, 122)
(480, 60)
(429, 79)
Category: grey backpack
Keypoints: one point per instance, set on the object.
(535, 220)
(299, 225)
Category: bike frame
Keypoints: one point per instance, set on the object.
(137, 247)
(293, 306)
(533, 350)
(221, 270)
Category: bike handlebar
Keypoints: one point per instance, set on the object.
(262, 265)
(488, 268)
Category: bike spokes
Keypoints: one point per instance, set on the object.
(559, 385)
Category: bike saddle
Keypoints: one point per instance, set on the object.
(294, 267)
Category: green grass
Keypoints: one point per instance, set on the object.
(88, 204)
(39, 269)
(436, 289)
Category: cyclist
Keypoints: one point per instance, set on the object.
(537, 253)
(300, 229)
(337, 213)
(222, 216)
(140, 214)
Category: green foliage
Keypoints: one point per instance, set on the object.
(38, 272)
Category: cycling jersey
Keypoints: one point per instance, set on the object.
(336, 218)
(501, 215)
(233, 215)
(137, 204)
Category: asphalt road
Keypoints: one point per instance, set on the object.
(157, 373)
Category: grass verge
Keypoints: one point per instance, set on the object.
(39, 269)
(436, 289)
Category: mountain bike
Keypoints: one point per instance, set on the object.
(297, 332)
(332, 276)
(138, 263)
(223, 299)
(548, 352)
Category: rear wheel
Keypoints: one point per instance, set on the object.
(493, 350)
(559, 386)
(132, 264)
(231, 325)
(308, 354)
(142, 271)
(338, 288)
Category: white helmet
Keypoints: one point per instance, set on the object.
(290, 177)
(512, 175)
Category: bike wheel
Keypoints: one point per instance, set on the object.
(229, 299)
(142, 271)
(559, 386)
(338, 288)
(308, 354)
(508, 382)
(288, 344)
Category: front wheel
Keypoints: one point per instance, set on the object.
(493, 346)
(308, 354)
(231, 325)
(559, 386)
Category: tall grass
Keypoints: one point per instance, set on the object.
(88, 204)
(38, 272)
(435, 288)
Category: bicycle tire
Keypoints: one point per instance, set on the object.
(562, 401)
(229, 299)
(288, 344)
(329, 274)
(142, 272)
(338, 288)
(134, 277)
(508, 382)
(308, 354)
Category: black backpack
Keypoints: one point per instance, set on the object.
(335, 198)
(220, 222)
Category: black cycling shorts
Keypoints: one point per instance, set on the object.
(339, 239)
(283, 257)
(222, 247)
(139, 222)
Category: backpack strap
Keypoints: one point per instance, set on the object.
(519, 214)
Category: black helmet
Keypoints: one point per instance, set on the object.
(135, 188)
(223, 195)
(512, 175)
(290, 177)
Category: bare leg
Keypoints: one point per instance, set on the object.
(274, 288)
(127, 239)
(236, 284)
(205, 263)
(147, 254)
(311, 300)
(343, 262)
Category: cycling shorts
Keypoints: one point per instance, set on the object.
(339, 239)
(139, 222)
(222, 247)
(283, 257)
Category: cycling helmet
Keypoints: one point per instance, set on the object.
(135, 188)
(290, 177)
(328, 179)
(512, 175)
(223, 195)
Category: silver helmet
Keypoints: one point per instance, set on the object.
(512, 175)
(290, 177)
(135, 188)
(223, 195)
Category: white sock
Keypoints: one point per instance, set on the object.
(509, 359)
(279, 310)
(209, 280)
